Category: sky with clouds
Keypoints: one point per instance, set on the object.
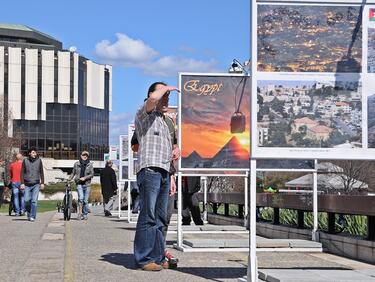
(144, 41)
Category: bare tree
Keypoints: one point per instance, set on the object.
(225, 184)
(9, 141)
(354, 176)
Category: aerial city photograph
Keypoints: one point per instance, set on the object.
(313, 39)
(309, 113)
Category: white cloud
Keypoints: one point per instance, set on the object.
(130, 52)
(125, 51)
(118, 125)
(187, 49)
(170, 66)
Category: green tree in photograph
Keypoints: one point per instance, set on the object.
(317, 115)
(328, 91)
(303, 130)
(310, 143)
(297, 138)
(291, 112)
(277, 105)
(264, 110)
(336, 137)
(260, 99)
(278, 133)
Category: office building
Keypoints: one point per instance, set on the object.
(57, 100)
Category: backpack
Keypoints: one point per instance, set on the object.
(172, 132)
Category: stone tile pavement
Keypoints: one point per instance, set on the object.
(100, 249)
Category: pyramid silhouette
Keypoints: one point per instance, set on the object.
(194, 157)
(232, 154)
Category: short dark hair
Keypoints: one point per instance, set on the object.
(32, 149)
(153, 87)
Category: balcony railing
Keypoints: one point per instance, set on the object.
(331, 204)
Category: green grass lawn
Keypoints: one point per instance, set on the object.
(43, 206)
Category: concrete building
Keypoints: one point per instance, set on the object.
(56, 99)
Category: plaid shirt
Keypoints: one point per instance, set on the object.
(155, 146)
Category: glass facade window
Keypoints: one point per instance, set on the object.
(68, 128)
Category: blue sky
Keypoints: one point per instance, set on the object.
(144, 40)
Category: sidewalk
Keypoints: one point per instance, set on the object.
(101, 249)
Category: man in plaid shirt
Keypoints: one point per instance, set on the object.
(155, 154)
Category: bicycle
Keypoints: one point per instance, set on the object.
(67, 205)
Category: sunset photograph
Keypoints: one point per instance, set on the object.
(215, 121)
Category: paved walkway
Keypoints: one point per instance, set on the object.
(100, 249)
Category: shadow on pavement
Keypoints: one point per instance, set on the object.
(126, 260)
(127, 228)
(19, 219)
(214, 272)
(308, 268)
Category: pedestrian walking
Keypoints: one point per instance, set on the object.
(32, 180)
(2, 180)
(190, 201)
(109, 187)
(134, 193)
(82, 173)
(155, 154)
(15, 178)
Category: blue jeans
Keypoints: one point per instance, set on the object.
(149, 244)
(18, 198)
(83, 197)
(31, 200)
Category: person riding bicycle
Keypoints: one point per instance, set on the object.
(82, 173)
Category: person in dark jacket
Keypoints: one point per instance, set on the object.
(82, 173)
(190, 186)
(32, 179)
(109, 187)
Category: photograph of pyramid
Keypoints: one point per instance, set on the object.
(215, 122)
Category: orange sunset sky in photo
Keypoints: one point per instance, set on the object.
(207, 142)
(205, 119)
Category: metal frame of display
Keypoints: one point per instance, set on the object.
(321, 153)
(311, 153)
(130, 173)
(179, 245)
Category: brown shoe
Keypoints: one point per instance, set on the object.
(152, 267)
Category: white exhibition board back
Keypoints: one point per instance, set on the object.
(132, 158)
(124, 158)
(313, 77)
